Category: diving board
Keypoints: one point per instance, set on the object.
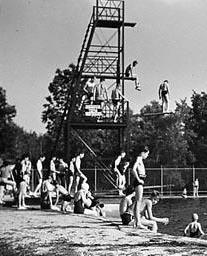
(157, 114)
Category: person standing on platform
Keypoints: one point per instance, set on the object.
(117, 98)
(139, 174)
(88, 90)
(100, 92)
(164, 96)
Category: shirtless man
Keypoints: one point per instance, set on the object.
(129, 72)
(78, 173)
(147, 218)
(40, 174)
(164, 96)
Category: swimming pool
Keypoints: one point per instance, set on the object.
(178, 210)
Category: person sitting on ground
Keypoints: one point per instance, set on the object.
(194, 229)
(53, 189)
(49, 191)
(84, 202)
(126, 206)
(147, 218)
(6, 178)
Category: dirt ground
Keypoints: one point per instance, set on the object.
(35, 232)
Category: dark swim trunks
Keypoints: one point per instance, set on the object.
(126, 218)
(137, 183)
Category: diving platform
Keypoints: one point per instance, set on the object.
(157, 114)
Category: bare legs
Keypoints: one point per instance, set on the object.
(138, 200)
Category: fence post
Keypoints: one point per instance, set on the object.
(161, 180)
(129, 177)
(95, 178)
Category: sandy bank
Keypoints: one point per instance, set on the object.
(35, 232)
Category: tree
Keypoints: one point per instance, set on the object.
(198, 124)
(163, 134)
(7, 113)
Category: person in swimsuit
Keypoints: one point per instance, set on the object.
(129, 72)
(85, 203)
(195, 188)
(71, 173)
(194, 229)
(164, 96)
(6, 178)
(40, 174)
(147, 219)
(117, 98)
(126, 206)
(78, 173)
(139, 174)
(88, 91)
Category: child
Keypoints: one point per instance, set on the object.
(139, 175)
(24, 184)
(194, 228)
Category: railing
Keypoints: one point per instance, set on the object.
(105, 112)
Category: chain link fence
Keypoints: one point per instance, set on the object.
(168, 181)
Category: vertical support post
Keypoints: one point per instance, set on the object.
(129, 177)
(193, 178)
(161, 180)
(95, 178)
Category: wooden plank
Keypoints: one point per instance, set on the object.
(157, 114)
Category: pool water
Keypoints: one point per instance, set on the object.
(178, 210)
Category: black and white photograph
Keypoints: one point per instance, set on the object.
(103, 127)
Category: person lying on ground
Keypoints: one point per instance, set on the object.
(194, 229)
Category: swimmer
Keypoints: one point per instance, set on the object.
(194, 228)
(139, 175)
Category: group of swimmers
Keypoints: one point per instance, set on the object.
(18, 176)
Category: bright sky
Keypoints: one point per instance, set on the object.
(38, 36)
